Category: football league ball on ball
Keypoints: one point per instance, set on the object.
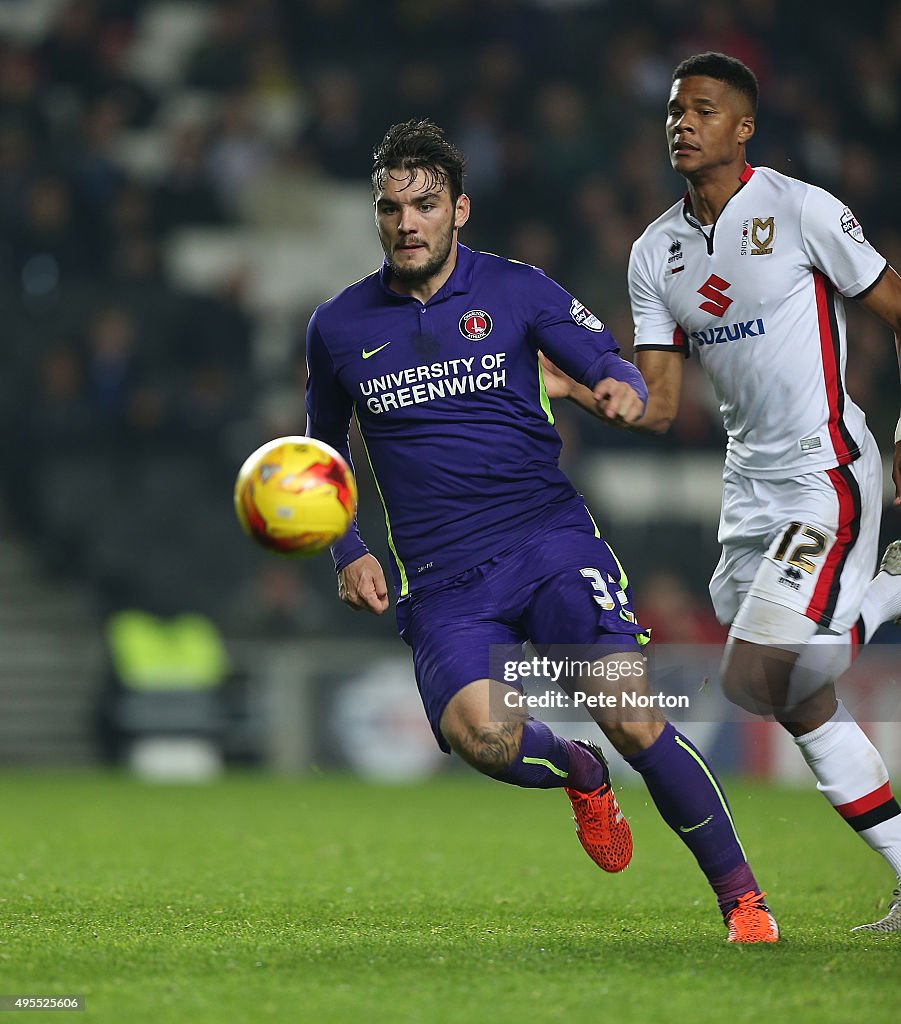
(295, 496)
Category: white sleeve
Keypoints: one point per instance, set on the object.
(654, 323)
(835, 243)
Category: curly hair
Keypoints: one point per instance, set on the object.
(413, 146)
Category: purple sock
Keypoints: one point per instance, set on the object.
(729, 887)
(547, 761)
(690, 801)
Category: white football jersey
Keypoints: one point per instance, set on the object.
(758, 298)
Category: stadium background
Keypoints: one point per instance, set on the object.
(182, 182)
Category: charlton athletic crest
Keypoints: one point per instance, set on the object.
(475, 325)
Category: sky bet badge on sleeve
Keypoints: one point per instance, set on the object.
(295, 496)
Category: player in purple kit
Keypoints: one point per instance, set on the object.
(436, 355)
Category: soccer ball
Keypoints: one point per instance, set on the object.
(295, 496)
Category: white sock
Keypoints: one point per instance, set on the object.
(852, 776)
(881, 602)
(885, 838)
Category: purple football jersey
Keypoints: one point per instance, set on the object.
(452, 408)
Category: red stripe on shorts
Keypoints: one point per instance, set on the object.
(825, 593)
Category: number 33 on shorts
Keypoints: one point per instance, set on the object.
(602, 594)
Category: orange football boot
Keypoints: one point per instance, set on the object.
(750, 920)
(601, 826)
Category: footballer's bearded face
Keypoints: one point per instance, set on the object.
(417, 223)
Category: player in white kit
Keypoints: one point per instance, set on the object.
(748, 273)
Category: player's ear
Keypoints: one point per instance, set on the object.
(461, 210)
(746, 128)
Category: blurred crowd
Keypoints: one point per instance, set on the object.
(127, 400)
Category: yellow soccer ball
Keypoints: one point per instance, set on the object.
(295, 496)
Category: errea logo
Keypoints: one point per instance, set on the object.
(675, 261)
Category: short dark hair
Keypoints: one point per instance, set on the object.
(723, 68)
(419, 145)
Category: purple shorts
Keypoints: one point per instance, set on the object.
(561, 585)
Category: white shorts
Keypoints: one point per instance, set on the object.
(808, 544)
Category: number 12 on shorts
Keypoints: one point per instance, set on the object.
(805, 550)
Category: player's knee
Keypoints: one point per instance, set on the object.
(738, 691)
(481, 728)
(763, 646)
(754, 677)
(630, 738)
(489, 747)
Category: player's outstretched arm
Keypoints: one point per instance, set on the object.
(613, 401)
(885, 301)
(617, 402)
(560, 385)
(361, 584)
(662, 372)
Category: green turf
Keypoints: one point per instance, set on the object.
(256, 899)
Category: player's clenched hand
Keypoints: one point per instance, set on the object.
(557, 383)
(617, 401)
(896, 475)
(361, 584)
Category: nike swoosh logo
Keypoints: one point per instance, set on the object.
(372, 351)
(708, 819)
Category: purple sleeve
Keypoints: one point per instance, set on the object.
(329, 409)
(610, 364)
(576, 340)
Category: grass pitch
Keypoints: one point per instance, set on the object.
(327, 900)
